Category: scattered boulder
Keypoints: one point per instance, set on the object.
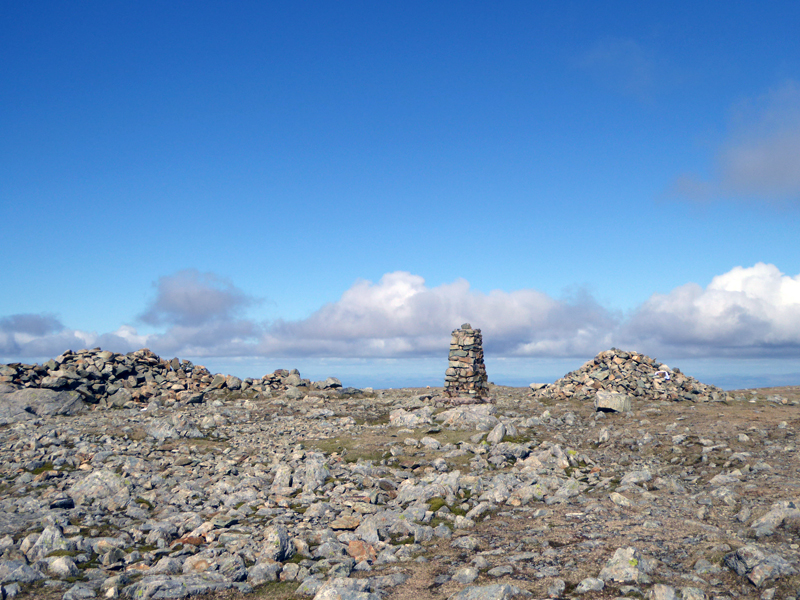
(758, 566)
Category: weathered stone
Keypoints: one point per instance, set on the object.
(757, 565)
(625, 566)
(612, 402)
(499, 591)
(277, 545)
(590, 584)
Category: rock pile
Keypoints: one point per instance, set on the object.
(116, 380)
(466, 373)
(629, 373)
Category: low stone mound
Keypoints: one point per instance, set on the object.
(118, 380)
(629, 373)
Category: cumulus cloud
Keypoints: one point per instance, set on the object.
(401, 316)
(36, 335)
(746, 312)
(753, 311)
(760, 155)
(190, 298)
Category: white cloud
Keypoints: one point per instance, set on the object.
(401, 316)
(192, 298)
(746, 312)
(752, 311)
(759, 159)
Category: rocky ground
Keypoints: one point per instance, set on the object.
(306, 491)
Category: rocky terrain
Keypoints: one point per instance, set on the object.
(133, 476)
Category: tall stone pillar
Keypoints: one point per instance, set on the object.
(466, 373)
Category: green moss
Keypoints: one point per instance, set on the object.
(276, 590)
(48, 466)
(401, 540)
(144, 502)
(297, 558)
(62, 553)
(436, 521)
(436, 503)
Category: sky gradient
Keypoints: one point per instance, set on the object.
(337, 186)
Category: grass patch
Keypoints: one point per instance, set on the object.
(436, 503)
(436, 521)
(62, 553)
(297, 558)
(403, 540)
(364, 447)
(276, 590)
(45, 467)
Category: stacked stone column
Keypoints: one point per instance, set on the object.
(466, 373)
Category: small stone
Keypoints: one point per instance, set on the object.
(590, 584)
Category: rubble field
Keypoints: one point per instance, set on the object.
(276, 489)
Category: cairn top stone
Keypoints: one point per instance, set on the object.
(466, 326)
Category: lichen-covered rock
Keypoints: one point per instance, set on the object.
(626, 566)
(277, 545)
(759, 566)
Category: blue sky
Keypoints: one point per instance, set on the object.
(337, 186)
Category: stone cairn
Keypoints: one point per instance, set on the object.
(466, 373)
(108, 379)
(630, 373)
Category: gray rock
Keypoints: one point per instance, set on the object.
(612, 402)
(277, 545)
(78, 592)
(590, 584)
(758, 565)
(181, 586)
(263, 572)
(661, 591)
(62, 567)
(233, 383)
(635, 477)
(294, 393)
(498, 591)
(310, 586)
(466, 542)
(474, 416)
(768, 523)
(21, 405)
(465, 575)
(345, 589)
(19, 571)
(625, 566)
(103, 487)
(555, 589)
(49, 541)
(120, 398)
(413, 419)
(497, 434)
(692, 593)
